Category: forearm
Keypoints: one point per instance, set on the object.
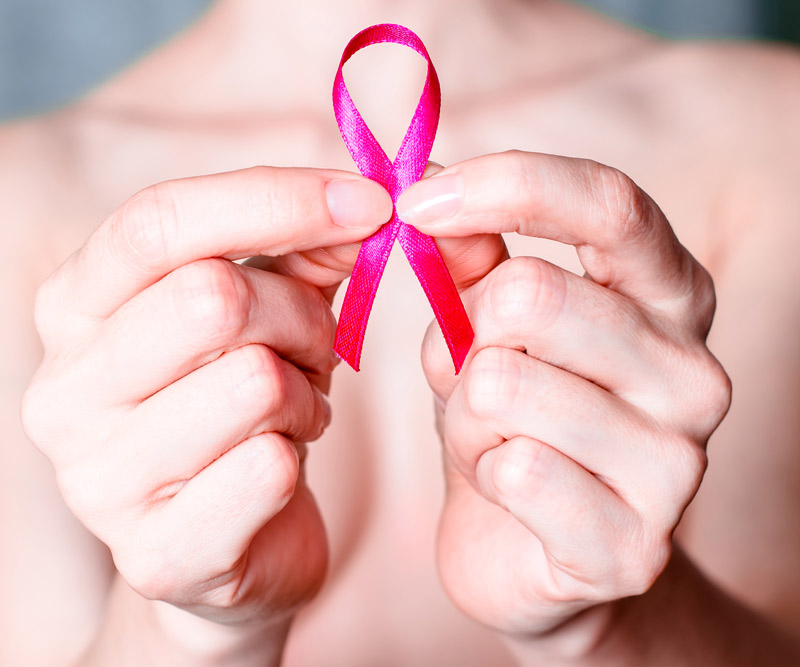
(138, 632)
(683, 620)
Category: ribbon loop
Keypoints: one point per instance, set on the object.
(407, 168)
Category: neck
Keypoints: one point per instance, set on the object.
(277, 57)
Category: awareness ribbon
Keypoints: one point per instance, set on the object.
(407, 168)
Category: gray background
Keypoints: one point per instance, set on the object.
(53, 50)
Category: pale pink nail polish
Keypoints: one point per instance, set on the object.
(431, 200)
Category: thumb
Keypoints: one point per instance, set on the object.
(468, 258)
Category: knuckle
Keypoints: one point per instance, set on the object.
(711, 397)
(492, 382)
(695, 308)
(520, 469)
(257, 380)
(34, 417)
(669, 481)
(318, 414)
(435, 361)
(86, 497)
(626, 214)
(283, 474)
(46, 310)
(644, 567)
(213, 298)
(516, 166)
(147, 573)
(146, 223)
(688, 463)
(718, 393)
(317, 325)
(525, 289)
(47, 419)
(706, 295)
(287, 196)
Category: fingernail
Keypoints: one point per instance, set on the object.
(431, 199)
(358, 203)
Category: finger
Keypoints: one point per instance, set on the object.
(197, 313)
(530, 305)
(577, 519)
(622, 237)
(467, 259)
(324, 268)
(267, 211)
(180, 430)
(571, 323)
(505, 393)
(206, 527)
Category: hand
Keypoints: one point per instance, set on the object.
(575, 435)
(177, 386)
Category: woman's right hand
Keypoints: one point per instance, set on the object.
(176, 383)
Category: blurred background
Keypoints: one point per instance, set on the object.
(52, 50)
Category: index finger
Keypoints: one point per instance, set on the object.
(256, 211)
(622, 237)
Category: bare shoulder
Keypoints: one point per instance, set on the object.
(39, 171)
(745, 93)
(41, 188)
(737, 106)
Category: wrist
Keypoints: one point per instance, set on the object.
(138, 631)
(569, 644)
(614, 634)
(212, 644)
(682, 620)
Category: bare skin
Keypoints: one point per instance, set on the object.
(707, 131)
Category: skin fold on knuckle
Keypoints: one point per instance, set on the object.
(288, 195)
(626, 213)
(212, 301)
(436, 362)
(313, 326)
(104, 500)
(703, 395)
(524, 290)
(145, 225)
(492, 383)
(520, 181)
(257, 384)
(519, 472)
(51, 413)
(275, 463)
(148, 568)
(647, 554)
(48, 311)
(37, 420)
(320, 415)
(664, 488)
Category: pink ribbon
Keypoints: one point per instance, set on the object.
(407, 168)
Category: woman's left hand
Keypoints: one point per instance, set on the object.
(575, 434)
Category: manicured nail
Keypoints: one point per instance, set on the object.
(431, 199)
(358, 203)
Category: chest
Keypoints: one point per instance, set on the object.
(377, 471)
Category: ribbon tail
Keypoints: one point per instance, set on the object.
(436, 281)
(360, 293)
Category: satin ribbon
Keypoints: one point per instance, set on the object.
(407, 168)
